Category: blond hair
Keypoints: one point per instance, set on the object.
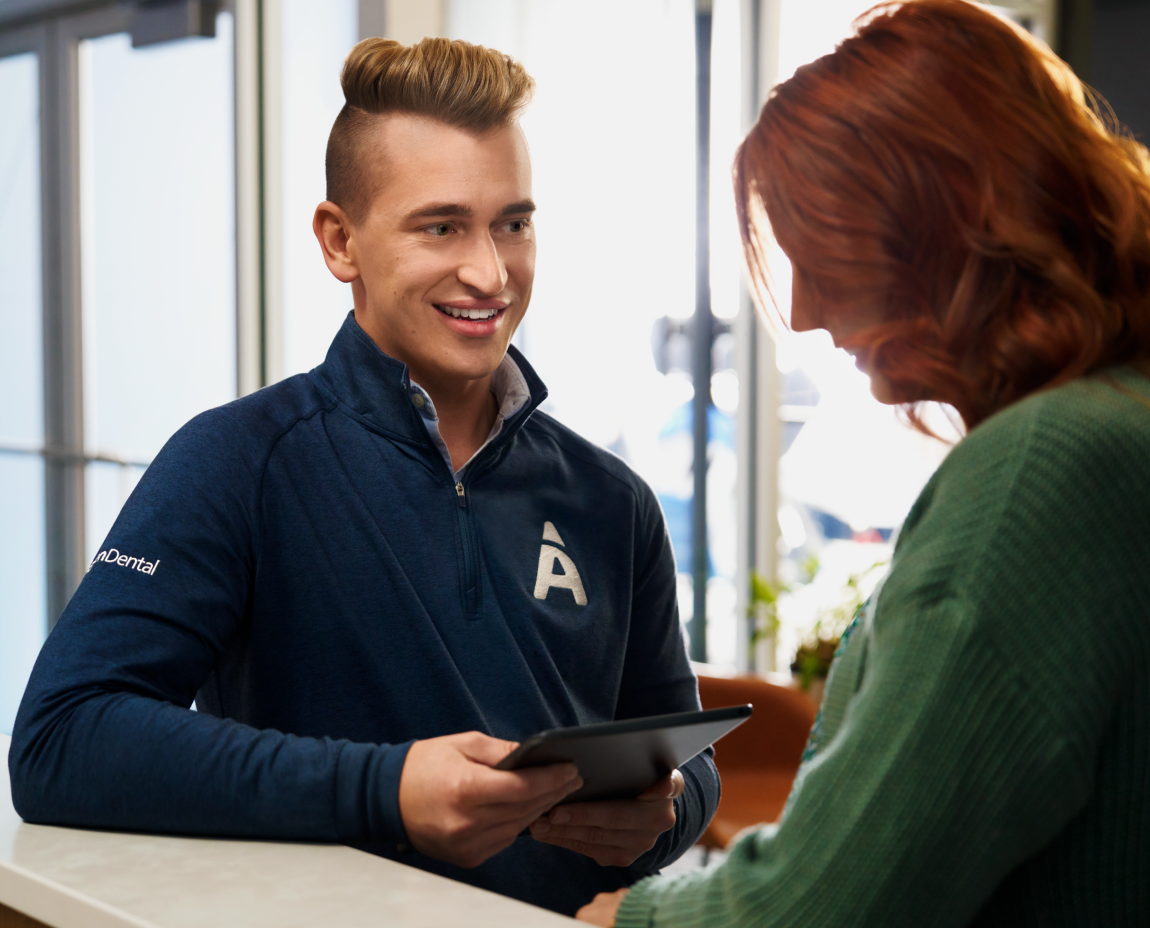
(466, 86)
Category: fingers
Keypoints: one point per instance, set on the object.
(586, 835)
(630, 846)
(455, 807)
(605, 855)
(670, 787)
(484, 749)
(617, 815)
(523, 785)
(517, 791)
(610, 833)
(602, 909)
(495, 826)
(526, 812)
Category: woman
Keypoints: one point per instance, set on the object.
(959, 219)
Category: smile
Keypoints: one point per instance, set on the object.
(457, 313)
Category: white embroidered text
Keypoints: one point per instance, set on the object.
(112, 556)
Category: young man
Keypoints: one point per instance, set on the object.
(349, 568)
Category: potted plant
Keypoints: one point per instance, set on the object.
(815, 655)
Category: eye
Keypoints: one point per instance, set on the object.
(439, 230)
(517, 226)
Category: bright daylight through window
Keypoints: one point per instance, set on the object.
(23, 609)
(162, 313)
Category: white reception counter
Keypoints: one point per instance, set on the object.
(70, 878)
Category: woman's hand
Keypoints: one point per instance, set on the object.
(602, 909)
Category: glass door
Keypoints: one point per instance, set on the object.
(157, 251)
(23, 607)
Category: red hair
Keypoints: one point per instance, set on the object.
(948, 166)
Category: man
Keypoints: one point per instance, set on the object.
(349, 568)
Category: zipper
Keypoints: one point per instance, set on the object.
(470, 554)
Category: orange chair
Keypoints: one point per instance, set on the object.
(759, 759)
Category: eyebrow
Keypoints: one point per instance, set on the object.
(523, 206)
(436, 210)
(440, 209)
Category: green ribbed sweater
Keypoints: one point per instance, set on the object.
(985, 748)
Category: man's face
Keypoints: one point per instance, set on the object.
(446, 251)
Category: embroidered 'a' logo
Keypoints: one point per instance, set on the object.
(545, 579)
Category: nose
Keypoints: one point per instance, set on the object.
(808, 301)
(482, 267)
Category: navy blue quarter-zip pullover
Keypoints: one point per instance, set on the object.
(303, 564)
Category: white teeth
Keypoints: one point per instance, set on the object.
(468, 313)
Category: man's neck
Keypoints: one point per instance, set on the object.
(466, 413)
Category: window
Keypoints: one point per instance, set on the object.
(157, 210)
(23, 606)
(315, 39)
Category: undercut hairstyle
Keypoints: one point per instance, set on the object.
(949, 168)
(466, 86)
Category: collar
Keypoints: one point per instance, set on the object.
(377, 389)
(507, 383)
(511, 392)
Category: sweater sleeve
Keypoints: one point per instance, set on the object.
(105, 736)
(658, 679)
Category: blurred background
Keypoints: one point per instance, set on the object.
(159, 165)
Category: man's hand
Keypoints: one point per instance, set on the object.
(615, 833)
(456, 808)
(602, 909)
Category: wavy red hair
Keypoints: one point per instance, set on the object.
(946, 166)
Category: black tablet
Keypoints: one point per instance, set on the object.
(618, 760)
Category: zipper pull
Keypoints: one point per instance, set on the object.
(461, 493)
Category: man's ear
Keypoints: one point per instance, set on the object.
(335, 231)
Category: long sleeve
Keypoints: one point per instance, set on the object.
(983, 755)
(658, 679)
(105, 736)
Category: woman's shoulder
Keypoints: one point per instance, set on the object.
(1113, 399)
(1084, 428)
(1068, 467)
